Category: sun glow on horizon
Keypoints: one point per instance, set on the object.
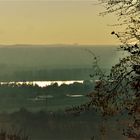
(53, 22)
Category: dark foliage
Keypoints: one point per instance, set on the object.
(120, 90)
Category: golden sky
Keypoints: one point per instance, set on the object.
(54, 22)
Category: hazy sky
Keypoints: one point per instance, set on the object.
(54, 22)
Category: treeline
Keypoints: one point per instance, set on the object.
(10, 89)
(52, 97)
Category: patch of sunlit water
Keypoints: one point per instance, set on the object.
(43, 83)
(47, 83)
(75, 95)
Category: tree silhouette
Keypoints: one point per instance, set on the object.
(128, 13)
(120, 90)
(123, 91)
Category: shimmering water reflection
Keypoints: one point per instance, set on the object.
(42, 83)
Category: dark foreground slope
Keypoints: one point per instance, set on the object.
(61, 126)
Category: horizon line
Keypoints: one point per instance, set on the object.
(58, 44)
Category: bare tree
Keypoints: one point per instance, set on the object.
(124, 90)
(120, 90)
(128, 13)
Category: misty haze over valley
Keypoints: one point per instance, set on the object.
(53, 62)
